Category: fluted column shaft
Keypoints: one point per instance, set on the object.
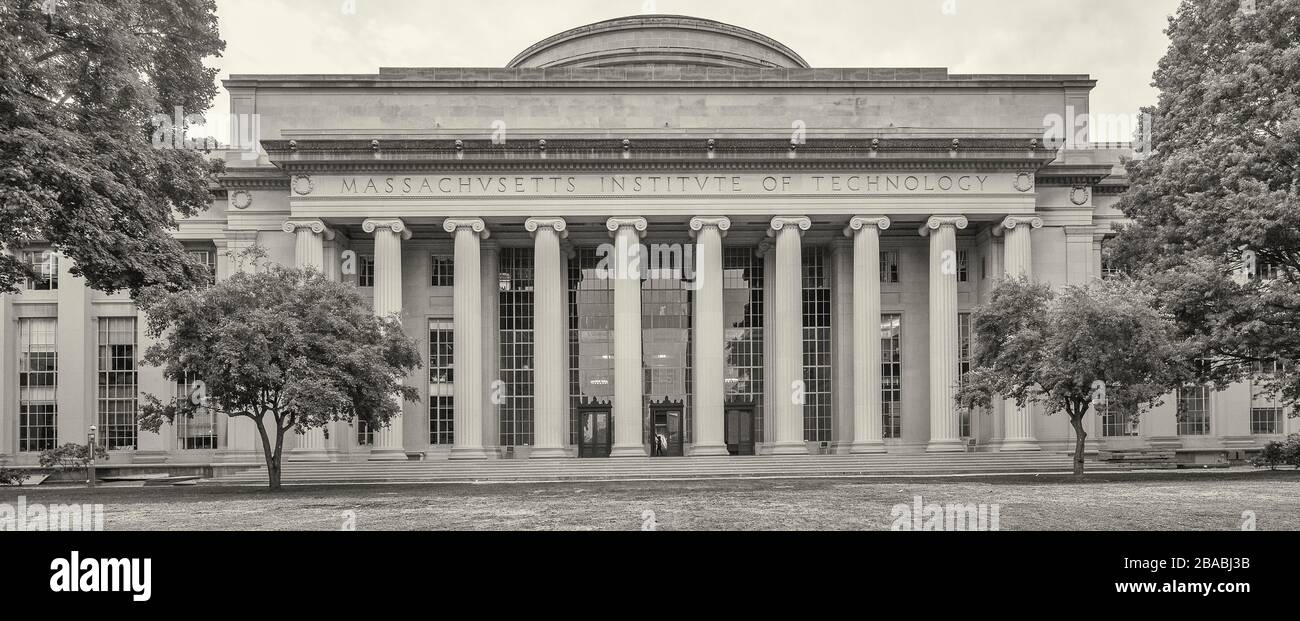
(389, 443)
(629, 439)
(1018, 421)
(309, 252)
(868, 426)
(467, 298)
(549, 330)
(944, 430)
(708, 366)
(787, 323)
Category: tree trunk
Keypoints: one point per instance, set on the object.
(272, 457)
(1079, 436)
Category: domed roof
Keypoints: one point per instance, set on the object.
(658, 40)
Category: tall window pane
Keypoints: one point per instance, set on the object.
(442, 362)
(742, 280)
(516, 301)
(963, 366)
(891, 374)
(118, 383)
(1194, 406)
(38, 373)
(199, 430)
(591, 335)
(45, 265)
(816, 346)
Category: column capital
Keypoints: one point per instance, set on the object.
(1011, 222)
(933, 224)
(558, 224)
(476, 225)
(765, 246)
(639, 224)
(858, 223)
(722, 223)
(317, 226)
(801, 223)
(395, 224)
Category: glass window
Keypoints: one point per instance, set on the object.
(38, 374)
(209, 260)
(1194, 410)
(1266, 409)
(198, 430)
(889, 266)
(891, 374)
(443, 271)
(963, 366)
(516, 299)
(591, 335)
(1114, 423)
(742, 284)
(963, 263)
(45, 265)
(365, 270)
(666, 332)
(1266, 421)
(816, 346)
(117, 382)
(442, 336)
(365, 435)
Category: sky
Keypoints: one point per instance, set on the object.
(1117, 42)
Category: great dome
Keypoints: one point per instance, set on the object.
(658, 40)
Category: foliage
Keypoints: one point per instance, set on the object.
(12, 476)
(284, 347)
(1286, 452)
(71, 456)
(80, 85)
(1216, 207)
(1066, 349)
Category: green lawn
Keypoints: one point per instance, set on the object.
(1164, 501)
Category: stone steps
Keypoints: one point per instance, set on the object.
(504, 471)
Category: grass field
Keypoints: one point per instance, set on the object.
(1162, 501)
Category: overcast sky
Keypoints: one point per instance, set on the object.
(1117, 42)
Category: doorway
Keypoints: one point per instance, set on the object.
(596, 432)
(739, 430)
(666, 438)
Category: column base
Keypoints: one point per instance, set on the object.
(387, 454)
(468, 453)
(709, 450)
(869, 447)
(632, 450)
(313, 455)
(1011, 445)
(945, 446)
(789, 448)
(538, 452)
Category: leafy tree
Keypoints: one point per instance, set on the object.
(283, 347)
(1215, 210)
(1070, 348)
(72, 456)
(81, 82)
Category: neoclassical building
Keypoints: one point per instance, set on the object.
(649, 236)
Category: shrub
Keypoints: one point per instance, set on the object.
(1286, 452)
(71, 456)
(12, 476)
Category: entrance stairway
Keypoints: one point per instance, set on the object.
(636, 469)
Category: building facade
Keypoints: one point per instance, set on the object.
(650, 236)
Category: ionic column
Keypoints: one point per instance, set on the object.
(467, 296)
(942, 231)
(309, 252)
(708, 366)
(390, 440)
(1018, 422)
(550, 314)
(787, 340)
(868, 424)
(628, 419)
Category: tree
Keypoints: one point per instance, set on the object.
(1215, 210)
(80, 86)
(283, 347)
(1072, 348)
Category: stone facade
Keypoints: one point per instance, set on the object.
(866, 210)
